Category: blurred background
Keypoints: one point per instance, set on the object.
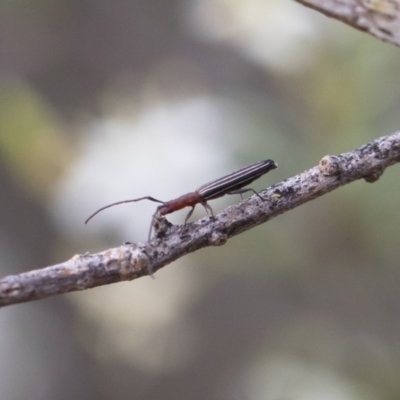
(105, 100)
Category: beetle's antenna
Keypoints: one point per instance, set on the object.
(123, 202)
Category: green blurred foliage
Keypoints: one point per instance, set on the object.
(31, 143)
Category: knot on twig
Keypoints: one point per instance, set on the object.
(330, 166)
(374, 175)
(9, 288)
(217, 238)
(126, 261)
(161, 226)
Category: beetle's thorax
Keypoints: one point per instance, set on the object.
(186, 200)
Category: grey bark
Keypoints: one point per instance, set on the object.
(380, 18)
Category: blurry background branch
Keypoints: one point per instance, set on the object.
(131, 261)
(380, 18)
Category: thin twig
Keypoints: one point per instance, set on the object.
(131, 261)
(380, 18)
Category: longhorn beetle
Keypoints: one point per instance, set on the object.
(233, 183)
